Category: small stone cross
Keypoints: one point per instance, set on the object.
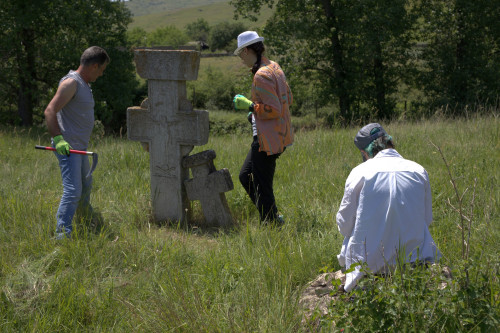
(169, 125)
(208, 186)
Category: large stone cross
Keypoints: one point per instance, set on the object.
(169, 124)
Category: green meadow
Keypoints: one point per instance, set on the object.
(135, 275)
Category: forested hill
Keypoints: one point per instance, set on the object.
(146, 7)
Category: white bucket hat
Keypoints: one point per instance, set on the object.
(247, 38)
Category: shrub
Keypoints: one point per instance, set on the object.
(419, 299)
(169, 35)
(217, 89)
(198, 30)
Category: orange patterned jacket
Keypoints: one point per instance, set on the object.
(272, 97)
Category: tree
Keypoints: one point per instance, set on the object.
(462, 55)
(350, 45)
(167, 36)
(137, 37)
(223, 36)
(377, 44)
(41, 40)
(305, 36)
(198, 30)
(163, 36)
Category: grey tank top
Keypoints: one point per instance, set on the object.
(76, 119)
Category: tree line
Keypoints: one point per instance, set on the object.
(360, 54)
(360, 58)
(41, 40)
(219, 37)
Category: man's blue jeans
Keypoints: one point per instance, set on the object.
(76, 192)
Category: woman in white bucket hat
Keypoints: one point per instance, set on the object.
(271, 124)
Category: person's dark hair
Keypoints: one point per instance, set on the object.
(258, 48)
(379, 144)
(94, 55)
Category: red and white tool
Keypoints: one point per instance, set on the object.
(81, 152)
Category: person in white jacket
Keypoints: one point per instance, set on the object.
(386, 209)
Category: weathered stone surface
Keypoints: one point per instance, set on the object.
(169, 126)
(204, 158)
(208, 186)
(161, 64)
(317, 295)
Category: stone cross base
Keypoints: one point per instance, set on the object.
(208, 186)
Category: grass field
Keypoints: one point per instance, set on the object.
(230, 64)
(213, 13)
(138, 276)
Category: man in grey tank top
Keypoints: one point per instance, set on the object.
(70, 120)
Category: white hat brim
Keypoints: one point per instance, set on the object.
(253, 41)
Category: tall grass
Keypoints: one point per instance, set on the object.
(137, 275)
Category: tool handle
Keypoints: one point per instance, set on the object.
(72, 151)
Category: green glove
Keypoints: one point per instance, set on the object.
(62, 147)
(242, 103)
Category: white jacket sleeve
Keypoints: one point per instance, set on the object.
(346, 216)
(428, 199)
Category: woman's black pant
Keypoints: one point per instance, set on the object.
(256, 176)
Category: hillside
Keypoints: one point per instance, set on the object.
(213, 13)
(146, 7)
